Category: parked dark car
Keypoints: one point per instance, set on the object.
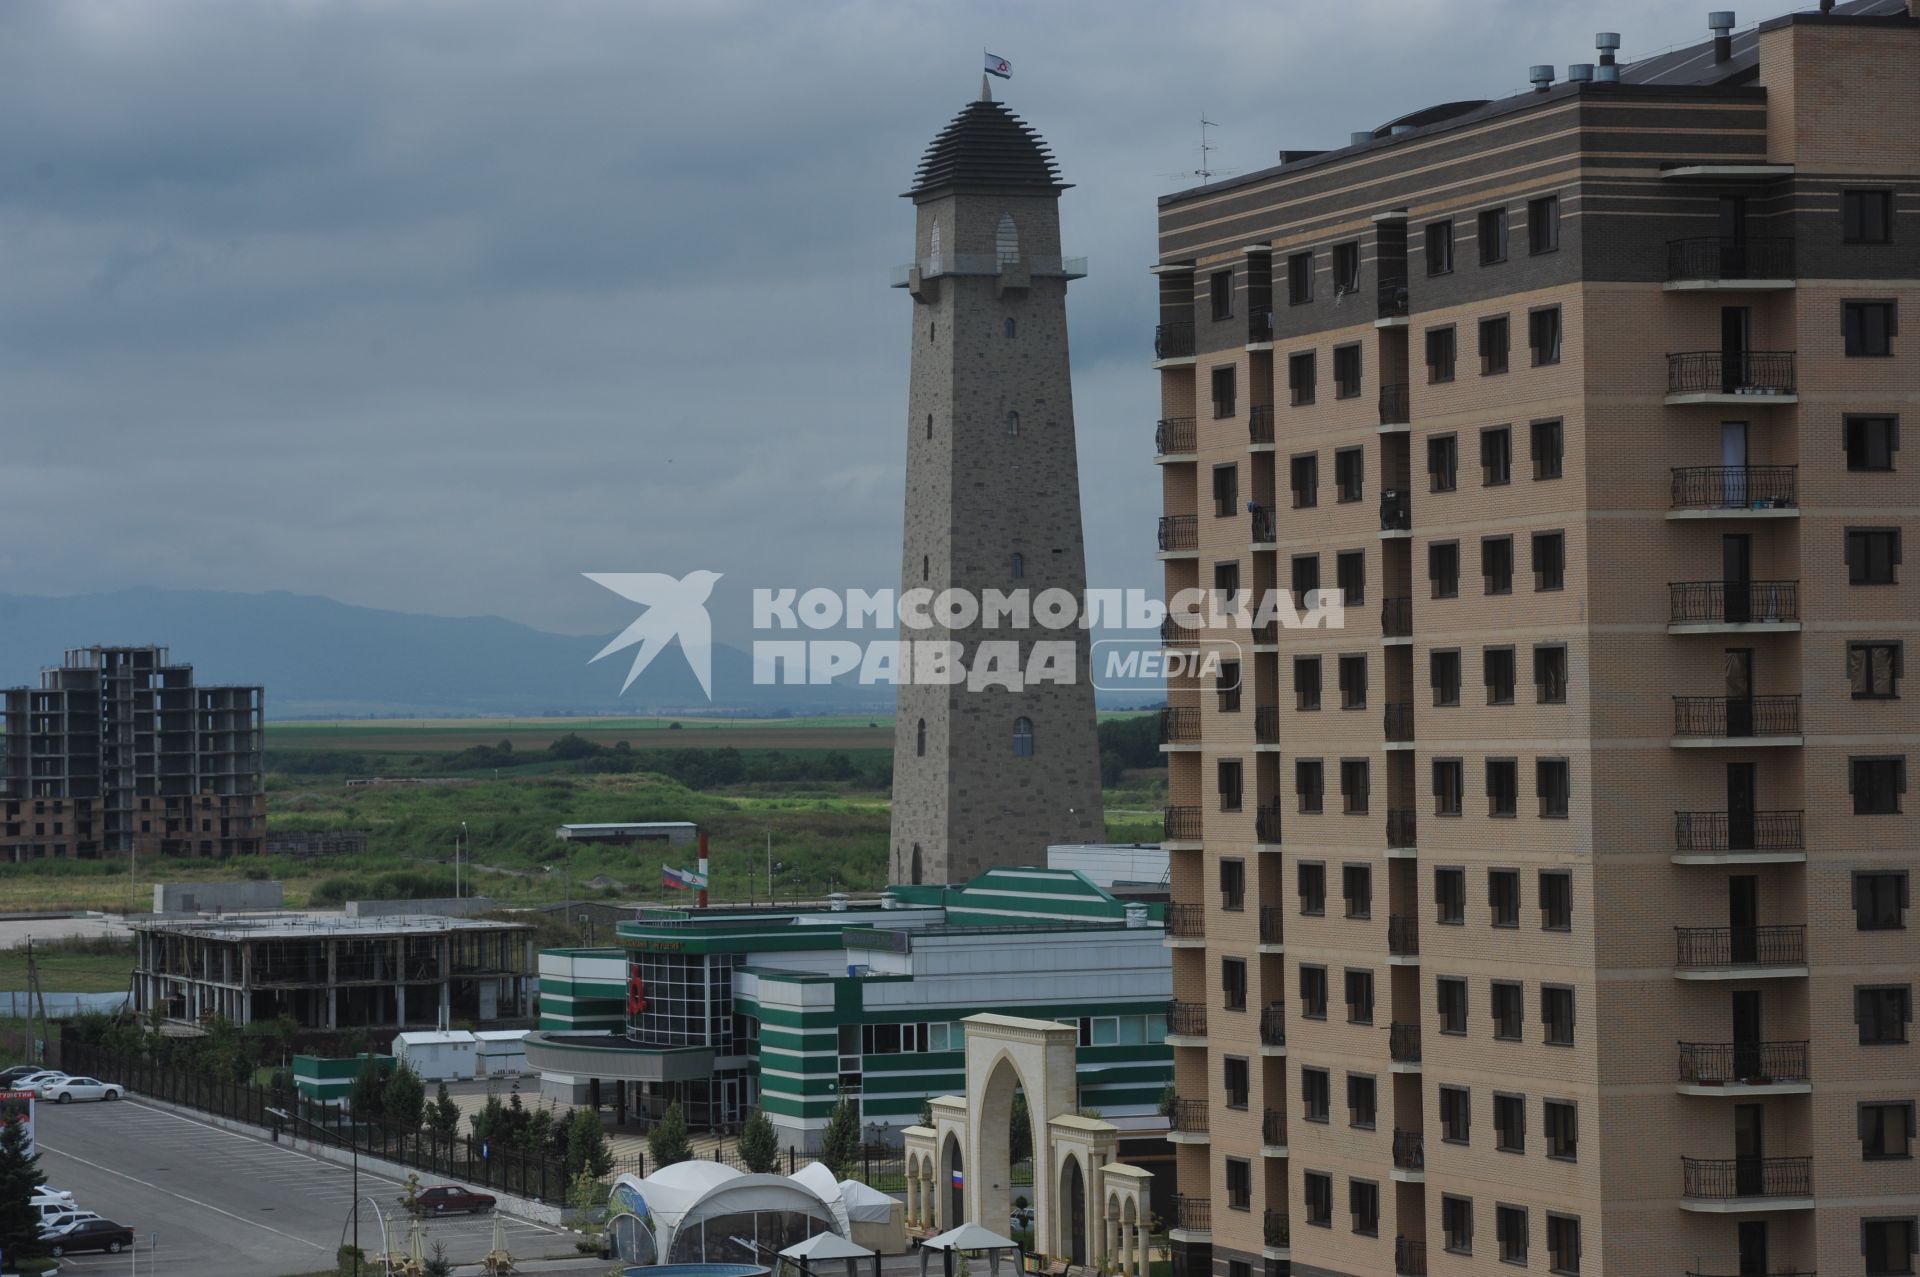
(90, 1234)
(450, 1199)
(9, 1076)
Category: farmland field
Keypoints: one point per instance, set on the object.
(408, 736)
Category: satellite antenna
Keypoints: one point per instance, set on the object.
(1206, 172)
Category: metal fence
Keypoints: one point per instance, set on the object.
(1724, 1177)
(1173, 341)
(1770, 946)
(1173, 434)
(1732, 602)
(1730, 257)
(1726, 1063)
(1736, 487)
(1180, 532)
(1730, 372)
(1734, 716)
(1715, 831)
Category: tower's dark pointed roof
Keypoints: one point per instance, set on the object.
(987, 145)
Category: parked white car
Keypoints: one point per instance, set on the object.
(33, 1081)
(52, 1207)
(64, 1089)
(48, 1190)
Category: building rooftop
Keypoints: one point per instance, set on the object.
(987, 145)
(301, 926)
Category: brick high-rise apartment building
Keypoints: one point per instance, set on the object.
(117, 752)
(1554, 912)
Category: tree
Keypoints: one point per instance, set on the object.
(926, 1112)
(840, 1142)
(365, 1096)
(759, 1145)
(20, 1178)
(404, 1100)
(1020, 1131)
(587, 1151)
(667, 1142)
(437, 1264)
(444, 1118)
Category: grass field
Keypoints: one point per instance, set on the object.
(433, 735)
(63, 971)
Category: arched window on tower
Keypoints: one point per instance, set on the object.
(920, 740)
(1023, 738)
(926, 568)
(1019, 565)
(1010, 326)
(1006, 239)
(933, 249)
(1013, 425)
(929, 425)
(916, 864)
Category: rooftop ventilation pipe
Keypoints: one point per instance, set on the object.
(1580, 72)
(1607, 41)
(1542, 77)
(1720, 22)
(1360, 137)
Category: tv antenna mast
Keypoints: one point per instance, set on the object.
(1206, 172)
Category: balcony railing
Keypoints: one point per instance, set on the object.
(1403, 935)
(1179, 725)
(1188, 1117)
(1399, 721)
(1400, 827)
(1174, 634)
(1180, 532)
(1730, 372)
(1277, 1230)
(1716, 831)
(1779, 945)
(1396, 617)
(1732, 602)
(1260, 523)
(1742, 1063)
(1273, 1024)
(1722, 1178)
(1272, 924)
(1393, 296)
(1393, 404)
(1725, 257)
(1260, 324)
(1187, 1019)
(1053, 266)
(1180, 824)
(1273, 1130)
(1396, 510)
(1193, 1214)
(1260, 423)
(1187, 921)
(1736, 487)
(1174, 434)
(1266, 824)
(1173, 341)
(1409, 1257)
(1403, 1043)
(1736, 717)
(1266, 724)
(1409, 1151)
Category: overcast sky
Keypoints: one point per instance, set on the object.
(434, 306)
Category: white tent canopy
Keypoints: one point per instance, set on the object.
(682, 1197)
(865, 1205)
(827, 1246)
(969, 1239)
(819, 1177)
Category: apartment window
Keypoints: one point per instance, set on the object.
(1888, 1245)
(1456, 1114)
(1319, 1196)
(1239, 1184)
(1556, 1014)
(1234, 1074)
(1886, 1130)
(1346, 371)
(1299, 279)
(1451, 995)
(1503, 896)
(1353, 682)
(1874, 669)
(1550, 674)
(1548, 448)
(1449, 786)
(1439, 355)
(1223, 392)
(1549, 561)
(1306, 682)
(1023, 737)
(1872, 555)
(1450, 895)
(1508, 1012)
(1443, 463)
(1311, 880)
(1866, 217)
(1869, 327)
(1445, 668)
(1226, 491)
(1876, 784)
(1220, 289)
(1496, 565)
(1315, 1093)
(1300, 377)
(1510, 1225)
(1350, 473)
(1440, 247)
(1496, 664)
(1346, 267)
(1456, 1223)
(1350, 574)
(1880, 900)
(1493, 236)
(1882, 1012)
(1231, 777)
(1363, 1202)
(1870, 441)
(1353, 785)
(1310, 785)
(1509, 1122)
(1561, 1120)
(1494, 341)
(1359, 996)
(1552, 785)
(1233, 885)
(1556, 900)
(1543, 224)
(1496, 457)
(1233, 983)
(1304, 477)
(1362, 1101)
(1306, 577)
(1543, 335)
(1443, 568)
(1356, 888)
(1313, 992)
(1226, 686)
(1563, 1244)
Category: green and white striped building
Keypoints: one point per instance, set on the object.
(789, 1010)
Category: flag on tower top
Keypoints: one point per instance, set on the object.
(1000, 67)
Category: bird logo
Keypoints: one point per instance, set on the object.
(675, 608)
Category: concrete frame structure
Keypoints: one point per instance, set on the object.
(991, 776)
(1692, 937)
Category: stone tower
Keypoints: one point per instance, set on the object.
(991, 776)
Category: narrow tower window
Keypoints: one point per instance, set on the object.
(926, 568)
(1010, 327)
(1019, 565)
(1013, 425)
(916, 864)
(1023, 738)
(920, 745)
(933, 249)
(929, 425)
(1006, 239)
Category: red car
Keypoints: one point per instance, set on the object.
(449, 1199)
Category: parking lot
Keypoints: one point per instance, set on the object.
(217, 1203)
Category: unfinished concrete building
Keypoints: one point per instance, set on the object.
(117, 752)
(334, 972)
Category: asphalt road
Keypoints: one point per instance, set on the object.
(214, 1203)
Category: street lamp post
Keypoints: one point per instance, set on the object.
(353, 1145)
(457, 847)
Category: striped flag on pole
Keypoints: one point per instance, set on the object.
(1000, 67)
(682, 879)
